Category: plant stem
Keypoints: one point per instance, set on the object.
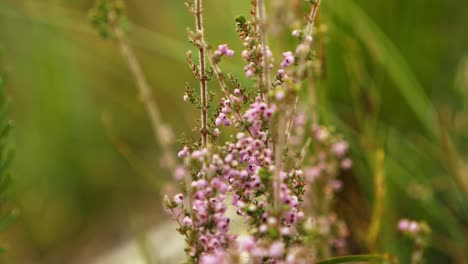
(161, 131)
(301, 69)
(203, 78)
(222, 84)
(278, 161)
(379, 196)
(264, 43)
(417, 255)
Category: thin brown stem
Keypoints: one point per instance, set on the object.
(303, 153)
(222, 84)
(264, 43)
(161, 131)
(278, 160)
(203, 77)
(304, 48)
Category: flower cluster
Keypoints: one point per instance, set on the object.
(288, 59)
(419, 233)
(258, 167)
(413, 228)
(203, 221)
(322, 180)
(254, 53)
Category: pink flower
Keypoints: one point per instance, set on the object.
(276, 249)
(216, 132)
(312, 173)
(246, 243)
(346, 164)
(183, 153)
(187, 221)
(288, 59)
(219, 257)
(178, 198)
(403, 224)
(296, 33)
(340, 148)
(413, 227)
(179, 173)
(223, 49)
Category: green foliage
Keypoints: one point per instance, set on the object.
(107, 15)
(6, 154)
(404, 52)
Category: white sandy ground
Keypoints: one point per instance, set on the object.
(163, 242)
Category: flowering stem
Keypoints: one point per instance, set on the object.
(278, 159)
(203, 77)
(218, 75)
(304, 48)
(161, 131)
(417, 255)
(303, 153)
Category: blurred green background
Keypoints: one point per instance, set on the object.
(86, 172)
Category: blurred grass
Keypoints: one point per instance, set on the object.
(393, 83)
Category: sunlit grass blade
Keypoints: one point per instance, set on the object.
(384, 51)
(355, 258)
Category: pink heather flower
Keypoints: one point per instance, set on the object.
(219, 257)
(201, 184)
(197, 154)
(187, 221)
(229, 53)
(245, 54)
(312, 173)
(340, 148)
(286, 231)
(269, 54)
(216, 132)
(346, 164)
(246, 243)
(276, 249)
(288, 59)
(183, 153)
(336, 185)
(300, 215)
(339, 243)
(320, 134)
(237, 91)
(296, 33)
(219, 185)
(309, 39)
(413, 227)
(279, 95)
(281, 72)
(178, 198)
(223, 49)
(403, 224)
(179, 172)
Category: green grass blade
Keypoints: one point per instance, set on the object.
(384, 51)
(354, 258)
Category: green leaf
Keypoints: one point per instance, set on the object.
(6, 220)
